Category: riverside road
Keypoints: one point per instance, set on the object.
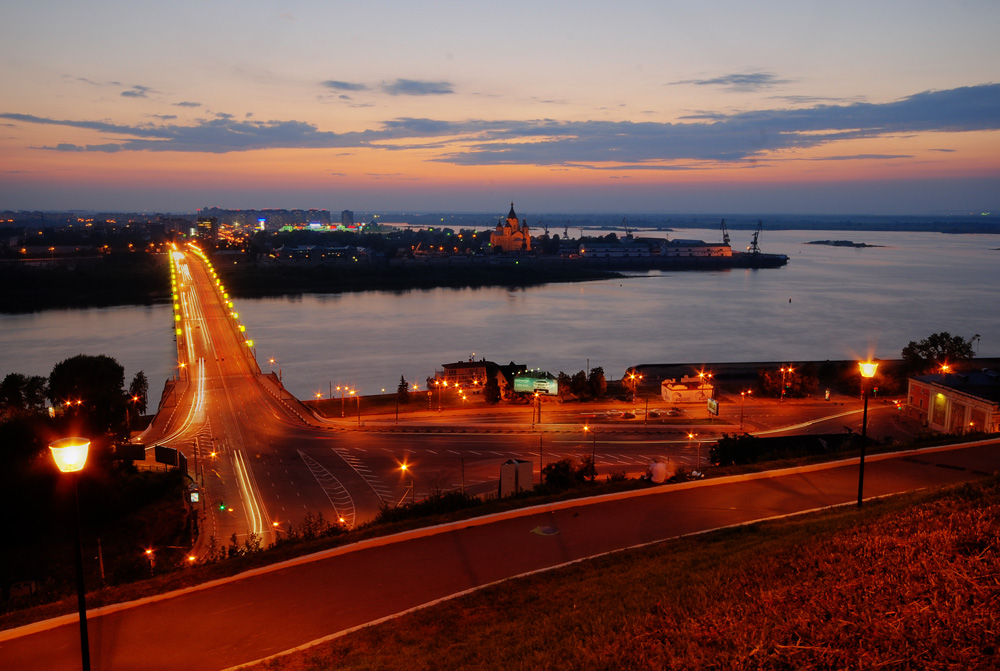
(266, 612)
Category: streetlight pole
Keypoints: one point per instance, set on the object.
(70, 455)
(593, 448)
(868, 369)
(743, 398)
(783, 372)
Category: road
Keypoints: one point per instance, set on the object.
(264, 461)
(265, 612)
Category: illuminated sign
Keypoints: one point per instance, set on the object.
(713, 406)
(541, 385)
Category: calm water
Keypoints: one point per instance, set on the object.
(845, 303)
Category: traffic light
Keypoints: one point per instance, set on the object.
(222, 505)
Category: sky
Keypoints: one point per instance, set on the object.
(772, 106)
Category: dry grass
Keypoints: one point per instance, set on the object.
(911, 583)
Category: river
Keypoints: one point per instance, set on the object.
(827, 303)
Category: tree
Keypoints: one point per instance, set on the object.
(138, 392)
(22, 395)
(598, 385)
(90, 389)
(564, 382)
(403, 391)
(936, 350)
(491, 390)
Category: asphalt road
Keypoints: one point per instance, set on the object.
(249, 617)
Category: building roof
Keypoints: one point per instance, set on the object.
(984, 384)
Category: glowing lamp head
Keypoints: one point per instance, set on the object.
(868, 368)
(70, 454)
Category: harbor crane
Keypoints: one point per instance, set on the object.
(725, 233)
(754, 248)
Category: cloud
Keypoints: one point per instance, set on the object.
(344, 86)
(187, 104)
(413, 87)
(108, 148)
(743, 138)
(741, 83)
(136, 92)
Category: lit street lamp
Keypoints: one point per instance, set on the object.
(593, 449)
(868, 369)
(406, 471)
(743, 398)
(789, 371)
(692, 437)
(70, 455)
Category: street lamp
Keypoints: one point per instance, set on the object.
(70, 455)
(405, 468)
(789, 371)
(691, 437)
(593, 449)
(440, 384)
(868, 369)
(743, 398)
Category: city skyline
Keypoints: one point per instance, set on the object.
(863, 108)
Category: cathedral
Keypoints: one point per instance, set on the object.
(512, 235)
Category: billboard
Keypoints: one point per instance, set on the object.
(713, 406)
(529, 384)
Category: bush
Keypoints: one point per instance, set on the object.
(567, 472)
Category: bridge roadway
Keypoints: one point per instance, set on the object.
(266, 612)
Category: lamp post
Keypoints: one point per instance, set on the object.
(743, 398)
(70, 455)
(440, 392)
(788, 370)
(405, 468)
(593, 449)
(691, 437)
(868, 369)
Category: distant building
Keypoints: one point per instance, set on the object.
(695, 248)
(346, 218)
(207, 228)
(472, 375)
(956, 402)
(689, 389)
(620, 250)
(511, 235)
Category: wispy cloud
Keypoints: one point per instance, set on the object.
(414, 87)
(187, 104)
(741, 83)
(738, 138)
(399, 87)
(136, 92)
(344, 86)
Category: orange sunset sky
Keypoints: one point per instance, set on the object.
(722, 106)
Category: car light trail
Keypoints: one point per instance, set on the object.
(252, 505)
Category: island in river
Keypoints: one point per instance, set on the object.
(842, 243)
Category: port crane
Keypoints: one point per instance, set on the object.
(725, 233)
(754, 248)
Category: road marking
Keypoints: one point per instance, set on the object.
(338, 496)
